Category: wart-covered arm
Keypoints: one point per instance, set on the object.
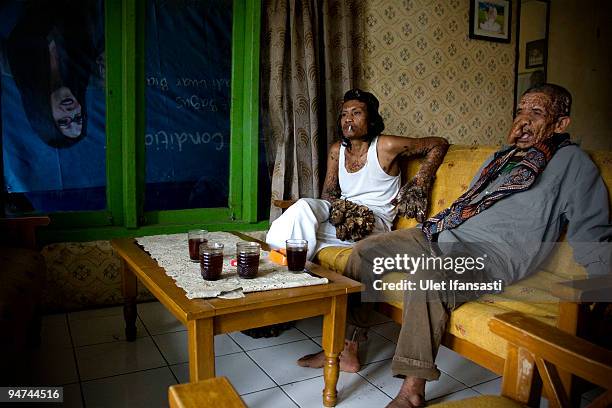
(412, 199)
(331, 185)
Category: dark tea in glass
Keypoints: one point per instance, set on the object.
(296, 254)
(211, 260)
(196, 238)
(247, 257)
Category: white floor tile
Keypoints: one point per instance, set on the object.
(225, 345)
(492, 387)
(54, 319)
(122, 357)
(380, 375)
(389, 330)
(141, 389)
(52, 366)
(72, 396)
(444, 386)
(353, 392)
(461, 368)
(459, 395)
(181, 371)
(272, 398)
(174, 346)
(54, 332)
(377, 348)
(249, 343)
(312, 327)
(158, 319)
(279, 362)
(95, 313)
(241, 371)
(103, 329)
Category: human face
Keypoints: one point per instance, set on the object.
(354, 119)
(535, 121)
(66, 112)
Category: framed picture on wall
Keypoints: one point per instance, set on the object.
(491, 20)
(534, 53)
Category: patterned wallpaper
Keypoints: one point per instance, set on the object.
(431, 78)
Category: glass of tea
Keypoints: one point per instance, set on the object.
(247, 259)
(296, 254)
(196, 238)
(211, 260)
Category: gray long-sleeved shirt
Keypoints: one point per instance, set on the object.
(519, 231)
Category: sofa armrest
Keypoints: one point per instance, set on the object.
(533, 345)
(283, 204)
(21, 231)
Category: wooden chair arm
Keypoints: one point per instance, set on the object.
(283, 204)
(598, 289)
(551, 345)
(21, 231)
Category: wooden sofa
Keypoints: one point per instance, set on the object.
(468, 332)
(536, 351)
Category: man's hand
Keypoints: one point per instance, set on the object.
(412, 200)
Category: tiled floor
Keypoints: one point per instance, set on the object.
(87, 354)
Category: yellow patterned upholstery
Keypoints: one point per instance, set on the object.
(530, 296)
(452, 179)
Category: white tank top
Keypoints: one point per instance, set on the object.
(370, 186)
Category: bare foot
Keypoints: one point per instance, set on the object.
(411, 395)
(349, 360)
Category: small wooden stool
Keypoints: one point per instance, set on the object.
(214, 392)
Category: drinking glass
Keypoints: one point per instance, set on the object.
(296, 254)
(247, 257)
(211, 260)
(196, 238)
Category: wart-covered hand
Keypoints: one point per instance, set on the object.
(412, 200)
(352, 221)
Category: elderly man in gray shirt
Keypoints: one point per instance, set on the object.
(514, 210)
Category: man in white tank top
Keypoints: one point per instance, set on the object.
(363, 168)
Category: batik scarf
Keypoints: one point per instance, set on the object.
(521, 178)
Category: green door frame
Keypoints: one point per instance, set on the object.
(125, 124)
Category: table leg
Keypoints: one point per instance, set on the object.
(129, 287)
(333, 342)
(201, 345)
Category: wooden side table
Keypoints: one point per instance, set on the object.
(214, 392)
(205, 318)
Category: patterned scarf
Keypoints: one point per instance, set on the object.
(521, 178)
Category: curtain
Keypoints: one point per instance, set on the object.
(310, 53)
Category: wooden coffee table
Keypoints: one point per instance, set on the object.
(204, 318)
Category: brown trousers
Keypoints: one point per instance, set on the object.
(425, 313)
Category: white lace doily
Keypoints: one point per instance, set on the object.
(171, 253)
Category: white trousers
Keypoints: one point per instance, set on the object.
(308, 219)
